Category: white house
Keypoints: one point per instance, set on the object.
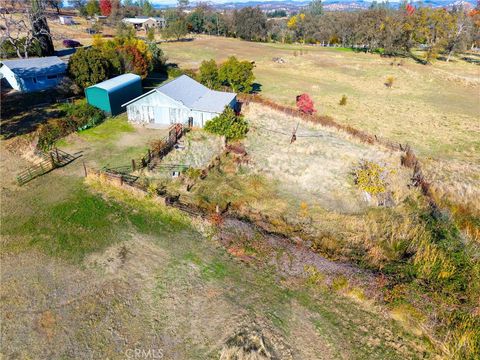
(66, 20)
(33, 74)
(182, 100)
(146, 22)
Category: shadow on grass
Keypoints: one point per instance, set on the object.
(256, 88)
(155, 79)
(28, 121)
(21, 113)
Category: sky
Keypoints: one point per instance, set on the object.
(168, 2)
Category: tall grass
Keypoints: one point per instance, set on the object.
(423, 251)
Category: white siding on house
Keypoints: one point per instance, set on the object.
(10, 77)
(157, 108)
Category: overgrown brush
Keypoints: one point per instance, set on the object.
(370, 177)
(228, 124)
(389, 82)
(79, 116)
(423, 253)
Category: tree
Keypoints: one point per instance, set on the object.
(92, 8)
(134, 61)
(105, 7)
(182, 4)
(158, 59)
(432, 27)
(40, 29)
(458, 36)
(147, 8)
(88, 67)
(237, 74)
(228, 124)
(315, 8)
(208, 75)
(18, 34)
(305, 104)
(124, 31)
(55, 4)
(176, 28)
(250, 23)
(80, 5)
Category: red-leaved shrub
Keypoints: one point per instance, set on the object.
(305, 104)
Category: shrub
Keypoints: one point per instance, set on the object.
(88, 67)
(77, 117)
(389, 81)
(305, 104)
(8, 50)
(228, 124)
(370, 177)
(193, 173)
(157, 145)
(343, 100)
(237, 74)
(174, 72)
(71, 43)
(134, 61)
(339, 283)
(208, 75)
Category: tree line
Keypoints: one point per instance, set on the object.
(381, 28)
(377, 29)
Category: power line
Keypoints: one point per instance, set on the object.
(304, 135)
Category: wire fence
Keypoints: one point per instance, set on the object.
(408, 158)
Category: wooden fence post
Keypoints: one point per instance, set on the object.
(133, 165)
(52, 160)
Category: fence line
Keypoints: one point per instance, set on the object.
(408, 159)
(52, 160)
(176, 131)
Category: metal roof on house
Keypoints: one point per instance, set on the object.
(142, 19)
(158, 18)
(36, 66)
(213, 101)
(117, 82)
(195, 95)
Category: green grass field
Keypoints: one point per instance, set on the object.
(85, 264)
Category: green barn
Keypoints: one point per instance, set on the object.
(109, 95)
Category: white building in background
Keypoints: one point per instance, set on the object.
(66, 20)
(146, 22)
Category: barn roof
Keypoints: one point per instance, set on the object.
(117, 82)
(192, 94)
(36, 66)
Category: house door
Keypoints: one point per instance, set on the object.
(148, 114)
(174, 115)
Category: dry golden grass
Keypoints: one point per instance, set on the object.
(433, 108)
(318, 167)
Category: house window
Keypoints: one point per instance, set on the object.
(51, 77)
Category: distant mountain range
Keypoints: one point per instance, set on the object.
(329, 5)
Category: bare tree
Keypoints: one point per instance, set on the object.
(22, 27)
